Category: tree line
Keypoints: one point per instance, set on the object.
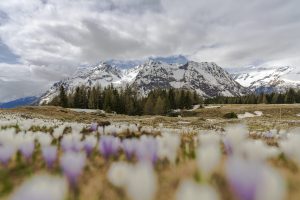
(127, 100)
(289, 97)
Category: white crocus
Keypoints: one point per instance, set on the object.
(257, 150)
(44, 139)
(235, 135)
(39, 187)
(290, 147)
(142, 183)
(272, 186)
(168, 146)
(119, 173)
(208, 157)
(190, 190)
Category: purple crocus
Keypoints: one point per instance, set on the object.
(72, 164)
(109, 146)
(244, 177)
(49, 155)
(94, 127)
(147, 149)
(27, 148)
(89, 144)
(6, 152)
(129, 146)
(227, 146)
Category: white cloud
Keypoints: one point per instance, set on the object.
(62, 34)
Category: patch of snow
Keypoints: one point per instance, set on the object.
(247, 114)
(86, 110)
(212, 106)
(183, 122)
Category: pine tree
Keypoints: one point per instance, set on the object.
(63, 97)
(290, 96)
(77, 98)
(159, 107)
(149, 105)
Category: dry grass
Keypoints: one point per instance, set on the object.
(94, 184)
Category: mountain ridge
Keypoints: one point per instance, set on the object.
(208, 79)
(268, 79)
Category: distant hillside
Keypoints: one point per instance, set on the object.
(19, 102)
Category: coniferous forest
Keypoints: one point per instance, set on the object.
(289, 97)
(127, 101)
(157, 102)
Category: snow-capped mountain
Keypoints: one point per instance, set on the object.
(274, 79)
(207, 79)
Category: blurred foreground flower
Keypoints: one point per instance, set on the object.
(109, 146)
(119, 173)
(72, 165)
(49, 154)
(43, 187)
(147, 149)
(139, 181)
(142, 183)
(89, 144)
(6, 153)
(168, 146)
(235, 135)
(208, 157)
(190, 190)
(129, 146)
(251, 180)
(72, 142)
(27, 148)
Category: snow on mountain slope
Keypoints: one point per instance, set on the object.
(207, 79)
(101, 74)
(275, 79)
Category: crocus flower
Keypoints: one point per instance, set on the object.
(89, 144)
(235, 136)
(71, 142)
(44, 139)
(168, 146)
(142, 183)
(257, 150)
(129, 146)
(39, 187)
(49, 155)
(27, 148)
(147, 149)
(290, 146)
(72, 164)
(109, 146)
(252, 180)
(119, 173)
(243, 177)
(94, 127)
(6, 152)
(190, 190)
(208, 157)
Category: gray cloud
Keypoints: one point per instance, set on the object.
(55, 36)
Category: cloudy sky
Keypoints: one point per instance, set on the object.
(42, 41)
